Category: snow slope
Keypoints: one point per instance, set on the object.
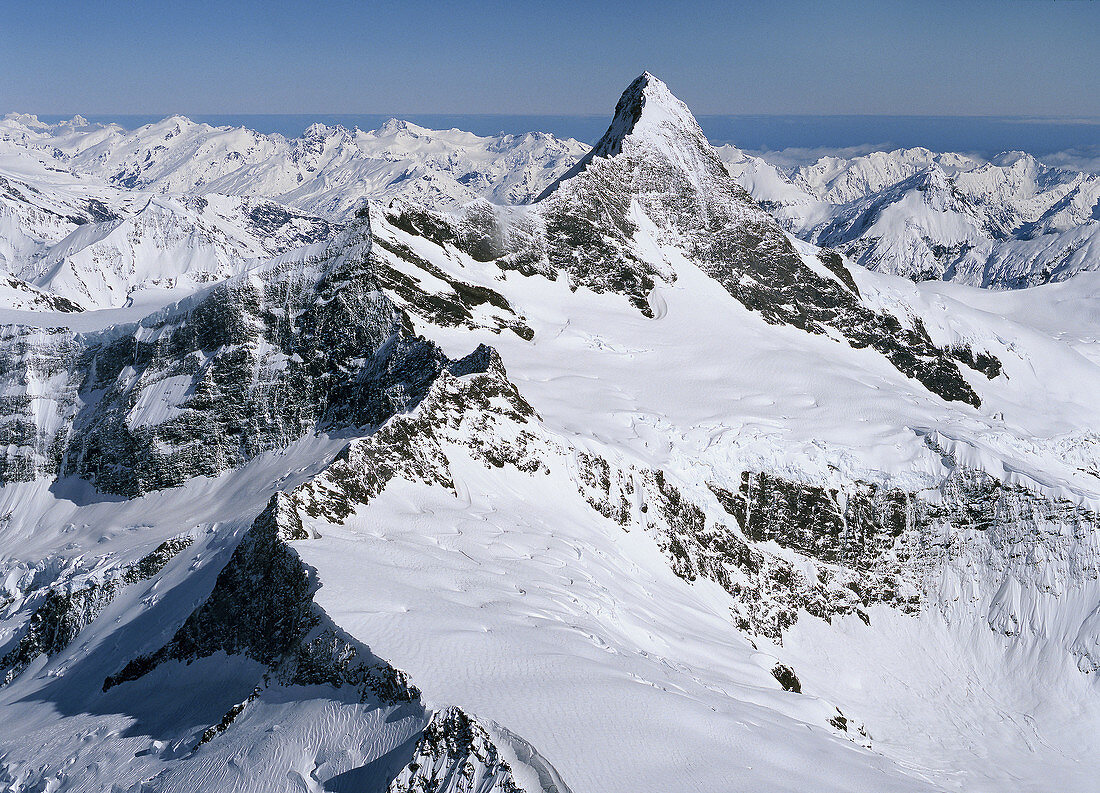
(170, 243)
(96, 215)
(41, 202)
(76, 240)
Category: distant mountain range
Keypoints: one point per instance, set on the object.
(83, 204)
(1008, 222)
(796, 133)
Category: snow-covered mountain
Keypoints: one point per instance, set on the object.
(101, 216)
(41, 203)
(169, 243)
(1007, 223)
(327, 172)
(627, 488)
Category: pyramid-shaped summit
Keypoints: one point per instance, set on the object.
(649, 118)
(654, 161)
(647, 109)
(654, 158)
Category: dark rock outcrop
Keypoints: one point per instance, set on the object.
(455, 755)
(787, 678)
(66, 611)
(255, 363)
(262, 608)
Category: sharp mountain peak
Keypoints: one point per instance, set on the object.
(647, 106)
(647, 111)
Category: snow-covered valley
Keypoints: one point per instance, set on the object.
(414, 461)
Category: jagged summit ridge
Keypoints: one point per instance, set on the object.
(646, 108)
(647, 113)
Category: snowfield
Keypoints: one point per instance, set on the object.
(630, 487)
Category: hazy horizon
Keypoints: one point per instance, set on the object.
(817, 134)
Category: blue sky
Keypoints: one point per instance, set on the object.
(1008, 58)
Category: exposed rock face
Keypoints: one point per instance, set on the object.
(768, 589)
(482, 411)
(262, 604)
(205, 386)
(262, 607)
(67, 611)
(39, 396)
(878, 545)
(455, 755)
(230, 716)
(402, 274)
(257, 364)
(852, 529)
(859, 544)
(20, 295)
(857, 549)
(864, 543)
